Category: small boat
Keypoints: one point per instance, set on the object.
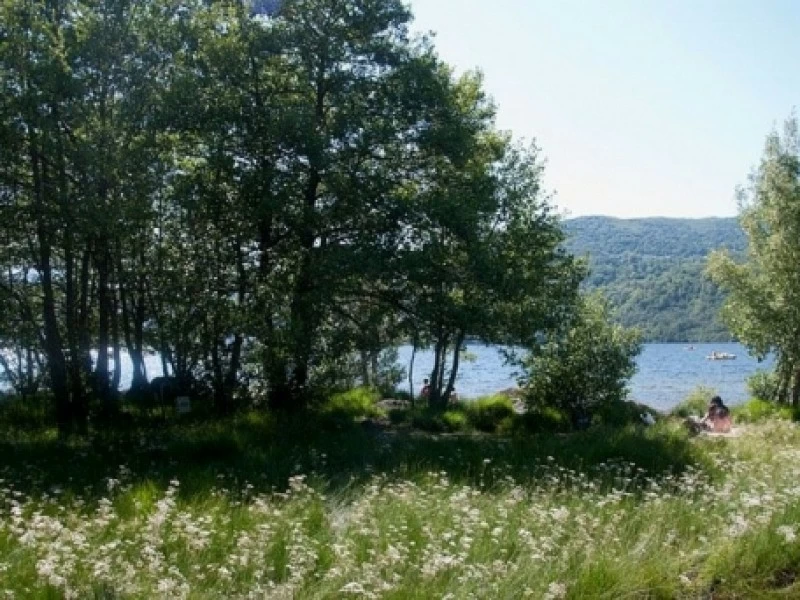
(720, 356)
(689, 348)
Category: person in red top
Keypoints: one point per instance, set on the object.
(426, 388)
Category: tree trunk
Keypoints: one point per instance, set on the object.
(435, 399)
(52, 336)
(134, 345)
(220, 401)
(101, 374)
(232, 376)
(363, 361)
(454, 370)
(115, 343)
(411, 370)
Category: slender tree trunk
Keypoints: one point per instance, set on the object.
(137, 351)
(454, 369)
(436, 399)
(411, 370)
(220, 401)
(303, 309)
(234, 364)
(115, 343)
(363, 361)
(101, 374)
(52, 336)
(232, 376)
(31, 385)
(138, 377)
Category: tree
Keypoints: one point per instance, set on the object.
(763, 304)
(583, 366)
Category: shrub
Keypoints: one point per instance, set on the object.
(585, 365)
(455, 420)
(763, 385)
(486, 414)
(544, 419)
(399, 416)
(620, 414)
(756, 410)
(695, 404)
(358, 402)
(33, 412)
(427, 419)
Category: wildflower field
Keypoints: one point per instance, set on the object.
(254, 508)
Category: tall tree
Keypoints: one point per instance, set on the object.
(763, 304)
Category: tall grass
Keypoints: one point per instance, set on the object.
(258, 507)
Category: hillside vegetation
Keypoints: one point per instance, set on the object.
(652, 270)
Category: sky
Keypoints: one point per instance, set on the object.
(641, 107)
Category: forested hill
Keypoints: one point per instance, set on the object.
(652, 270)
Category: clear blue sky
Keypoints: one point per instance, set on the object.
(641, 107)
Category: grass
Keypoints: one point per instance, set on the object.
(255, 506)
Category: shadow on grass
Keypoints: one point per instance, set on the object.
(265, 451)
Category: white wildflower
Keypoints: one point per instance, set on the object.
(352, 588)
(788, 532)
(555, 591)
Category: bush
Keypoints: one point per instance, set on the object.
(358, 402)
(399, 416)
(455, 420)
(544, 419)
(583, 366)
(427, 419)
(756, 410)
(763, 385)
(621, 414)
(486, 414)
(695, 404)
(34, 412)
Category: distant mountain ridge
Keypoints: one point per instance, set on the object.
(652, 270)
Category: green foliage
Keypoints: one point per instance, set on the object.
(358, 402)
(764, 290)
(756, 410)
(695, 404)
(543, 419)
(763, 385)
(622, 414)
(456, 420)
(586, 366)
(651, 270)
(224, 188)
(26, 413)
(490, 413)
(429, 419)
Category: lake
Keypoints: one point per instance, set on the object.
(666, 373)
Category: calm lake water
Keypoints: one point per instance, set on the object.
(666, 372)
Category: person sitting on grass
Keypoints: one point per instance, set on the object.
(717, 417)
(716, 420)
